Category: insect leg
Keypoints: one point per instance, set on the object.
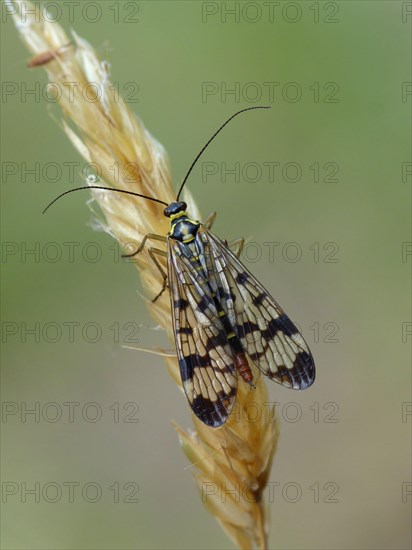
(240, 243)
(152, 254)
(210, 220)
(237, 242)
(152, 236)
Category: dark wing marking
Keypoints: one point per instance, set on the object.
(265, 332)
(206, 363)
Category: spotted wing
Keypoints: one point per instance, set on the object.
(265, 332)
(206, 363)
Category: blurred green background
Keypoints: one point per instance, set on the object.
(341, 112)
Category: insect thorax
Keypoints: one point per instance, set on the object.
(182, 228)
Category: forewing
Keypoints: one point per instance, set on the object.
(266, 333)
(206, 363)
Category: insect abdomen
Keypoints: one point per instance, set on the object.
(240, 360)
(243, 368)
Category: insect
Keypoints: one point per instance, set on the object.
(45, 57)
(222, 315)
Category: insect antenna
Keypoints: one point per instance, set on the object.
(106, 189)
(210, 140)
(152, 198)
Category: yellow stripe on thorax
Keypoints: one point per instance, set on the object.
(178, 215)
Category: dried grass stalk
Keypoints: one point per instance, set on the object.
(231, 463)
